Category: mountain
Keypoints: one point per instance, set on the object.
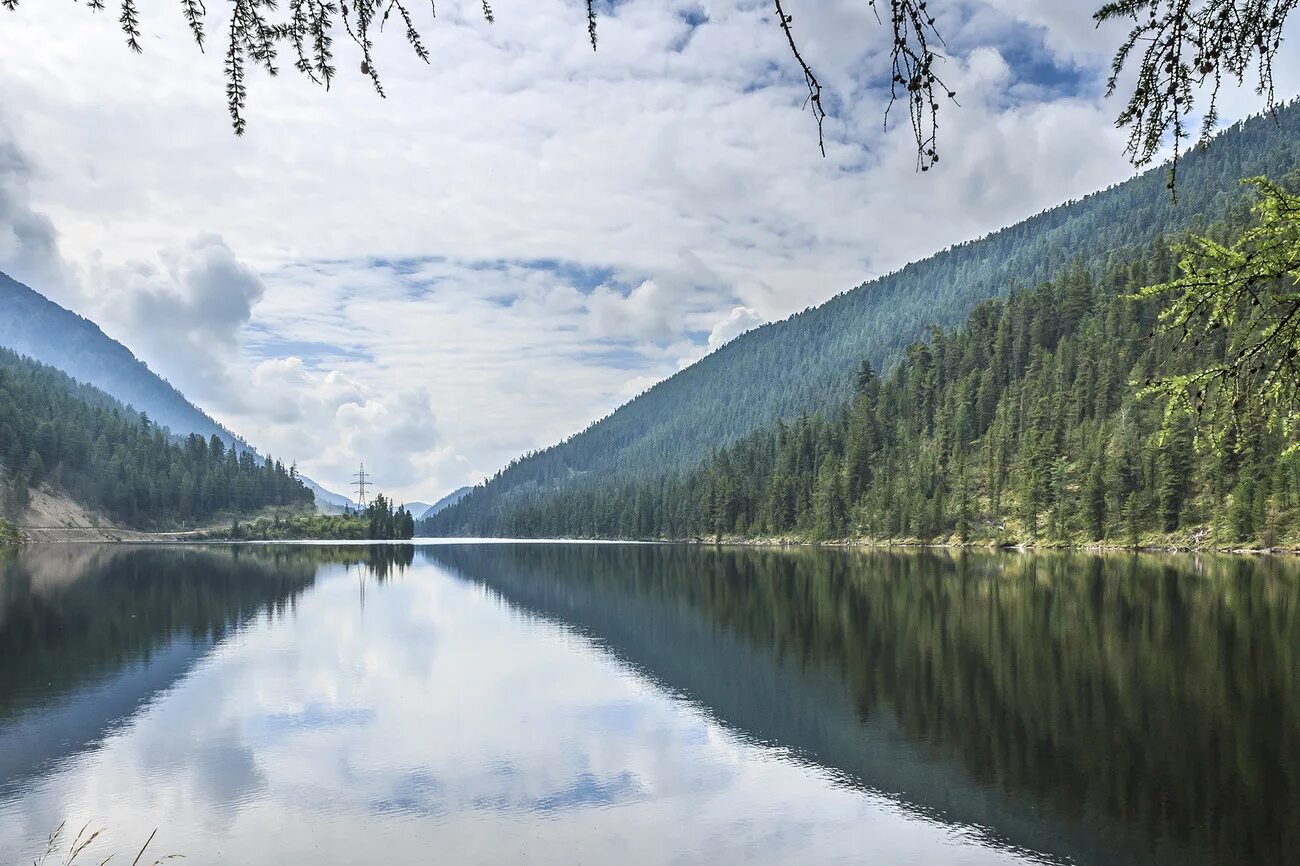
(806, 363)
(422, 510)
(80, 440)
(1024, 426)
(327, 501)
(444, 503)
(33, 325)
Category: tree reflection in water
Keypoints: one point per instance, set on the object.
(1149, 699)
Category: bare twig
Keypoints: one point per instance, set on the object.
(814, 86)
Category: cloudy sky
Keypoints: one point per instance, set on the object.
(525, 233)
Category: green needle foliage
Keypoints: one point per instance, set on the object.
(381, 520)
(1027, 424)
(57, 431)
(1243, 299)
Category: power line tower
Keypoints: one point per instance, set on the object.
(360, 480)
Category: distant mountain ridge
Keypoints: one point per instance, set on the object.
(806, 363)
(421, 510)
(33, 325)
(328, 501)
(445, 502)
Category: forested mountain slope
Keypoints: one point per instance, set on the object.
(445, 502)
(33, 325)
(56, 430)
(807, 363)
(1022, 426)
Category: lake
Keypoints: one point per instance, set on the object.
(564, 703)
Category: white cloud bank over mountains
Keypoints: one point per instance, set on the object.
(525, 233)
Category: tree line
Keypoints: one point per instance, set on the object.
(807, 362)
(380, 520)
(56, 430)
(1027, 424)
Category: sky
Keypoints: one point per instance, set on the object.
(525, 233)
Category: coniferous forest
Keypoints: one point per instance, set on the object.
(79, 440)
(380, 520)
(1025, 425)
(807, 362)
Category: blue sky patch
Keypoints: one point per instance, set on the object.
(617, 357)
(312, 353)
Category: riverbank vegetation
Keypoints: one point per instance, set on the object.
(1050, 418)
(381, 520)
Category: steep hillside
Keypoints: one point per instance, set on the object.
(78, 440)
(33, 325)
(327, 501)
(1022, 427)
(423, 510)
(444, 503)
(807, 362)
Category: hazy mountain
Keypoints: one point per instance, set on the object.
(33, 325)
(806, 363)
(421, 510)
(328, 501)
(445, 502)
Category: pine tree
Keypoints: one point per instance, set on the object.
(1095, 495)
(1176, 465)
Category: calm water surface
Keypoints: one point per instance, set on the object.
(636, 704)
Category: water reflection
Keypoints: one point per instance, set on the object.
(1100, 708)
(487, 703)
(89, 634)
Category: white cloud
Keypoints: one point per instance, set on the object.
(190, 302)
(647, 312)
(525, 232)
(735, 323)
(1067, 28)
(29, 243)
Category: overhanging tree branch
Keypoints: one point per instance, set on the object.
(1184, 51)
(814, 86)
(1182, 48)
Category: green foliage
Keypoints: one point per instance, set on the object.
(1243, 299)
(32, 325)
(383, 520)
(808, 363)
(380, 520)
(54, 429)
(1022, 426)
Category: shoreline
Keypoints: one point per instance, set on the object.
(118, 535)
(989, 546)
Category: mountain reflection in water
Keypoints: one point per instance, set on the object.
(1095, 709)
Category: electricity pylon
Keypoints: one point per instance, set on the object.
(359, 479)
